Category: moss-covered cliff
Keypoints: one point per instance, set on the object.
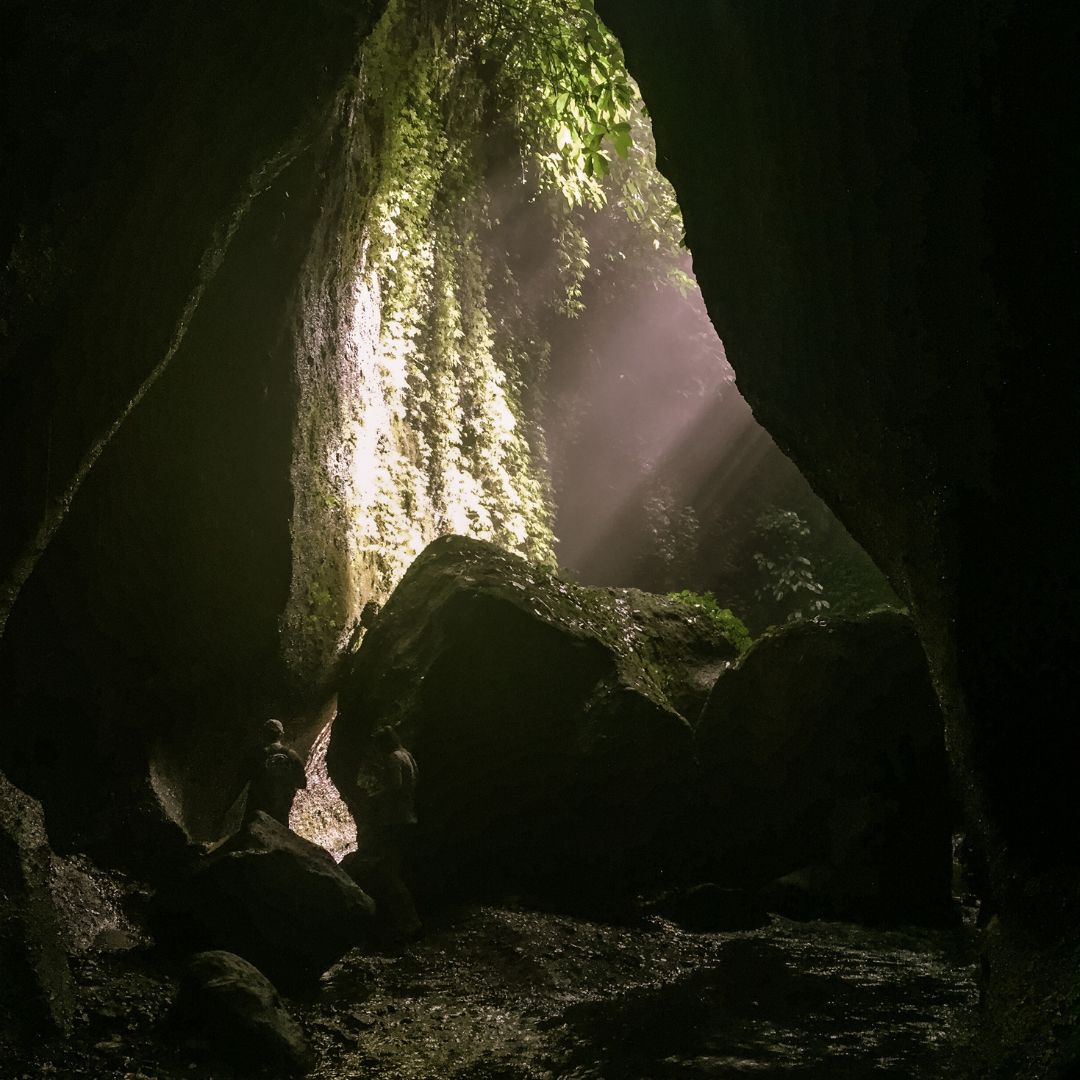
(418, 378)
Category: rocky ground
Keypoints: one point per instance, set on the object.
(504, 993)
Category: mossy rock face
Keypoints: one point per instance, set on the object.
(825, 747)
(542, 715)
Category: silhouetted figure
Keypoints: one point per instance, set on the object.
(277, 775)
(369, 613)
(383, 803)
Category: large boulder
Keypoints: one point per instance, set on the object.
(36, 991)
(543, 716)
(232, 1007)
(823, 753)
(271, 896)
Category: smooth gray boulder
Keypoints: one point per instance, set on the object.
(37, 995)
(543, 715)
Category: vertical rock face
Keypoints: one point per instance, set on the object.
(252, 361)
(876, 198)
(170, 170)
(37, 995)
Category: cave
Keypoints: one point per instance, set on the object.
(296, 311)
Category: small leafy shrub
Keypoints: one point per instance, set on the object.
(787, 580)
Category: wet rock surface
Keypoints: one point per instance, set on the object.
(520, 995)
(230, 1006)
(543, 715)
(823, 750)
(271, 896)
(95, 907)
(36, 992)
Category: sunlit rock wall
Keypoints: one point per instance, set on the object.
(413, 417)
(418, 412)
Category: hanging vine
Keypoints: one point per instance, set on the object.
(443, 431)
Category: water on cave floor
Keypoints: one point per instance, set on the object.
(515, 994)
(502, 993)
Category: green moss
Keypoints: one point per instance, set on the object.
(442, 438)
(654, 640)
(730, 625)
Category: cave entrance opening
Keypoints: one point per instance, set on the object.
(524, 356)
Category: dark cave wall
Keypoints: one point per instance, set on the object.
(159, 158)
(878, 197)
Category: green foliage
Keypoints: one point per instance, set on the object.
(853, 583)
(786, 574)
(423, 407)
(672, 538)
(441, 436)
(731, 626)
(444, 433)
(554, 65)
(559, 78)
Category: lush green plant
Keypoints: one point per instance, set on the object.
(786, 574)
(671, 535)
(559, 78)
(556, 67)
(442, 434)
(731, 626)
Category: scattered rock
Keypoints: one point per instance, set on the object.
(543, 716)
(36, 990)
(234, 1007)
(825, 748)
(272, 897)
(823, 891)
(711, 908)
(115, 939)
(92, 906)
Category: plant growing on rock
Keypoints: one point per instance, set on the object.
(556, 67)
(732, 627)
(442, 433)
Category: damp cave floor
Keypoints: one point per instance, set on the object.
(506, 993)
